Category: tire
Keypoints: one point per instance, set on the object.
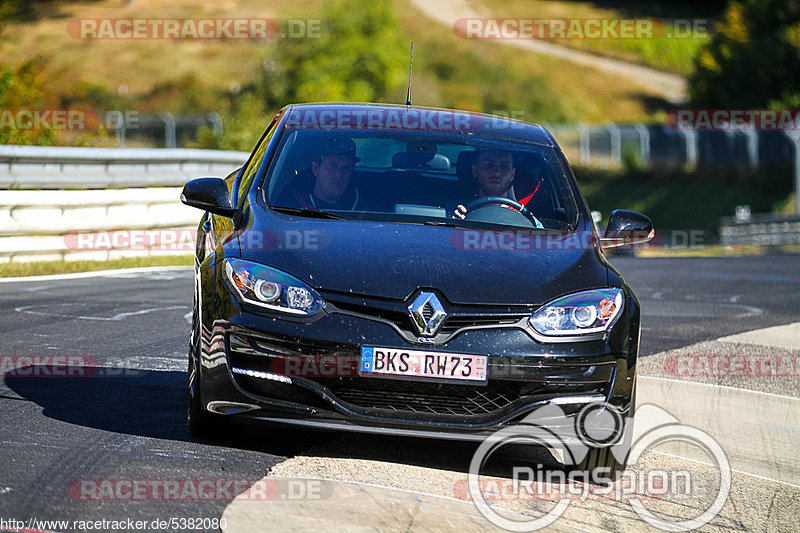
(200, 423)
(602, 458)
(601, 465)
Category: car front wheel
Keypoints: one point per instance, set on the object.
(201, 423)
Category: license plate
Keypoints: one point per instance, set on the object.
(414, 363)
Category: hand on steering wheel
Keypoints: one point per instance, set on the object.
(502, 200)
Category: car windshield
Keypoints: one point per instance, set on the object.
(419, 177)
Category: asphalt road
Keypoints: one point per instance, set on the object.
(57, 432)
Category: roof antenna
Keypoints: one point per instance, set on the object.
(410, 67)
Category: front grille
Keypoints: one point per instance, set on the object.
(443, 398)
(456, 322)
(386, 397)
(458, 318)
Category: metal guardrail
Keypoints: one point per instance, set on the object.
(761, 229)
(659, 147)
(47, 167)
(138, 189)
(131, 207)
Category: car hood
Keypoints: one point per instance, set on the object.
(391, 260)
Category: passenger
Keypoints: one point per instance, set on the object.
(333, 172)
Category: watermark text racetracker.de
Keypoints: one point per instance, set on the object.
(184, 240)
(404, 119)
(578, 438)
(24, 119)
(575, 28)
(67, 366)
(193, 28)
(734, 119)
(198, 489)
(557, 240)
(732, 366)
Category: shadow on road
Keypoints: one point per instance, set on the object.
(152, 404)
(144, 403)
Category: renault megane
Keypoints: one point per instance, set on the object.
(409, 271)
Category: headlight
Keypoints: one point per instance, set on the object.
(578, 314)
(268, 287)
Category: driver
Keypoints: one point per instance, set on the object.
(494, 170)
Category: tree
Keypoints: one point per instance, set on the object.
(359, 56)
(22, 89)
(753, 60)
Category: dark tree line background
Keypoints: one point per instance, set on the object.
(753, 59)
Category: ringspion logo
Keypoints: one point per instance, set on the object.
(575, 437)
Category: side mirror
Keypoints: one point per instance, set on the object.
(627, 227)
(208, 194)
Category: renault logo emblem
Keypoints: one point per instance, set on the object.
(427, 314)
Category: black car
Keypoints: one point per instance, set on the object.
(409, 271)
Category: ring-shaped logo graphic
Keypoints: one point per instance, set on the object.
(596, 424)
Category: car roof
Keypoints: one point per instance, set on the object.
(393, 116)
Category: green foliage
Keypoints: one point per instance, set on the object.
(10, 10)
(632, 157)
(677, 199)
(754, 58)
(22, 89)
(244, 120)
(359, 57)
(88, 95)
(183, 95)
(490, 85)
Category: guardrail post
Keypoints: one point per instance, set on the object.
(169, 129)
(586, 153)
(794, 136)
(644, 143)
(730, 144)
(616, 142)
(216, 123)
(752, 148)
(690, 138)
(117, 119)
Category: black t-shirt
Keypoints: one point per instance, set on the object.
(292, 197)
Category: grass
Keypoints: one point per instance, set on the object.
(486, 75)
(135, 67)
(152, 76)
(669, 54)
(43, 268)
(676, 201)
(716, 251)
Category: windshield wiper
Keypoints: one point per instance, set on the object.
(306, 212)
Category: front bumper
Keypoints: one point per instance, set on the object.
(244, 375)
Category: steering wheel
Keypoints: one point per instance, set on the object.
(492, 200)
